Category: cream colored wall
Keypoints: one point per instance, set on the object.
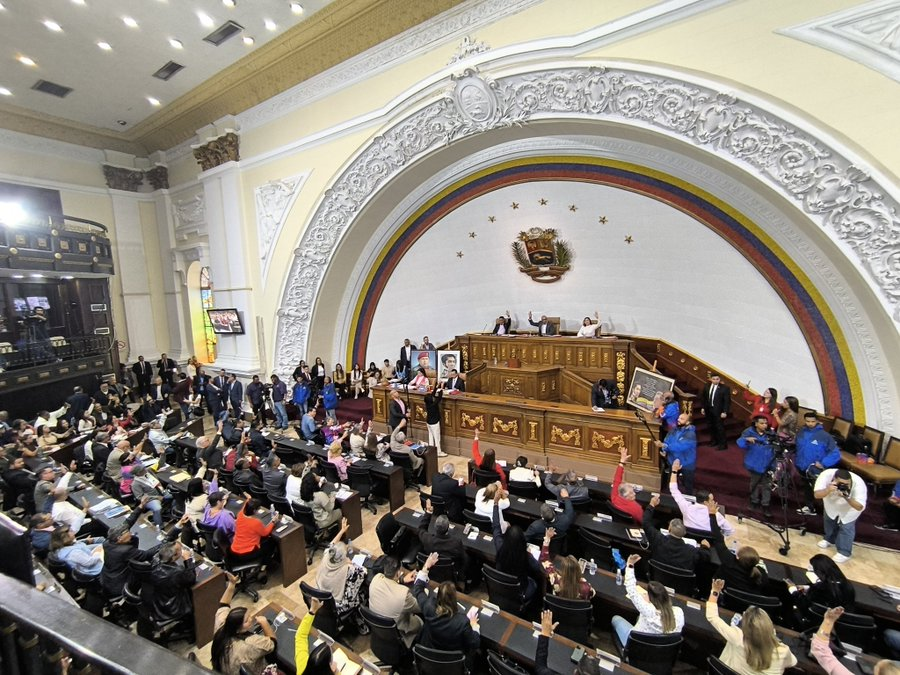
(45, 167)
(149, 229)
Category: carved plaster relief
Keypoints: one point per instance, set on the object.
(273, 203)
(190, 217)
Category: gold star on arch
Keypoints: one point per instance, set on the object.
(459, 254)
(629, 239)
(602, 220)
(491, 219)
(573, 208)
(472, 235)
(514, 205)
(543, 202)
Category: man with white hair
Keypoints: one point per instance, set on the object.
(451, 490)
(398, 444)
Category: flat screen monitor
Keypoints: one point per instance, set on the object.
(38, 301)
(21, 305)
(225, 321)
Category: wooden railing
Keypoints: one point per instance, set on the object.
(574, 389)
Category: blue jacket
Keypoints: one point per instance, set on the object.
(670, 415)
(300, 393)
(759, 455)
(816, 445)
(308, 427)
(329, 397)
(681, 443)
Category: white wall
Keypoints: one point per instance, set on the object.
(679, 280)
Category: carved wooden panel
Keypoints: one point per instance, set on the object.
(603, 441)
(471, 421)
(563, 434)
(504, 426)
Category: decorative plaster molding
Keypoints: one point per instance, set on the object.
(158, 177)
(868, 34)
(218, 151)
(15, 140)
(120, 178)
(467, 49)
(190, 217)
(852, 208)
(273, 204)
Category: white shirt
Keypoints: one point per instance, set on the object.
(65, 513)
(589, 330)
(522, 474)
(486, 508)
(836, 507)
(292, 488)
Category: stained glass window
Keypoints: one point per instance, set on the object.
(206, 298)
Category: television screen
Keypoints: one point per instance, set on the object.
(225, 321)
(21, 305)
(38, 301)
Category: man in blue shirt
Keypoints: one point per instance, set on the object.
(310, 429)
(681, 444)
(758, 456)
(279, 391)
(816, 451)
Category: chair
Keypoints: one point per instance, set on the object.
(210, 549)
(438, 504)
(261, 494)
(437, 662)
(403, 460)
(843, 428)
(653, 653)
(558, 545)
(716, 667)
(316, 537)
(738, 601)
(596, 548)
(240, 487)
(483, 523)
(226, 479)
(498, 666)
(525, 489)
(282, 505)
(443, 570)
(361, 480)
(574, 617)
(385, 640)
(682, 581)
(246, 571)
(619, 515)
(327, 618)
(331, 472)
(852, 629)
(504, 590)
(484, 478)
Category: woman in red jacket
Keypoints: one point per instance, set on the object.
(488, 462)
(764, 405)
(251, 537)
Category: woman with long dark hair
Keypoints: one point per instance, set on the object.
(831, 589)
(445, 627)
(764, 405)
(488, 461)
(657, 615)
(565, 574)
(357, 381)
(787, 415)
(234, 643)
(513, 557)
(251, 537)
(322, 504)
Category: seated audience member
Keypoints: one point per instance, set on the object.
(603, 395)
(313, 495)
(588, 665)
(198, 491)
(358, 439)
(454, 382)
(236, 644)
(622, 495)
(145, 484)
(398, 444)
(742, 570)
(484, 502)
(513, 557)
(337, 459)
(831, 589)
(310, 430)
(301, 641)
(753, 647)
(445, 627)
(50, 419)
(252, 538)
(292, 483)
(672, 549)
(274, 478)
(391, 599)
(244, 475)
(158, 438)
(816, 450)
(87, 423)
(522, 474)
(656, 613)
(64, 513)
(342, 577)
(46, 439)
(209, 450)
(549, 518)
(215, 513)
(681, 445)
(452, 490)
(820, 649)
(85, 557)
(565, 575)
(40, 530)
(120, 455)
(357, 381)
(568, 481)
(434, 533)
(47, 487)
(20, 482)
(173, 575)
(487, 462)
(695, 515)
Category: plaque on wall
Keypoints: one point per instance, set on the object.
(98, 308)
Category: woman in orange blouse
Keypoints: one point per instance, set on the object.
(251, 537)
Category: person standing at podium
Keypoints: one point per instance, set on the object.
(545, 328)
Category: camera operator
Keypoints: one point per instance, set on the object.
(759, 454)
(816, 451)
(844, 496)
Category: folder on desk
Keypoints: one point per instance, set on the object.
(344, 664)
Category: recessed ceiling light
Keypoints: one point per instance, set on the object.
(77, 2)
(176, 44)
(153, 101)
(25, 60)
(248, 40)
(52, 25)
(205, 19)
(36, 276)
(1, 6)
(270, 25)
(229, 3)
(296, 8)
(105, 46)
(5, 92)
(128, 21)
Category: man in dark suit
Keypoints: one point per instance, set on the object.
(672, 549)
(215, 394)
(396, 410)
(716, 402)
(406, 354)
(235, 395)
(501, 326)
(159, 395)
(166, 368)
(78, 403)
(544, 326)
(143, 375)
(437, 539)
(455, 381)
(451, 490)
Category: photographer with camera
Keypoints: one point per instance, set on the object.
(756, 442)
(844, 496)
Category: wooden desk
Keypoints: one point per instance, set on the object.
(531, 381)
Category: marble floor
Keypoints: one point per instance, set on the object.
(868, 565)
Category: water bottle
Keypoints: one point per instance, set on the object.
(736, 620)
(618, 577)
(592, 567)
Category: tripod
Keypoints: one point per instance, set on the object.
(782, 472)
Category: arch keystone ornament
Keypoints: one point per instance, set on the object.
(541, 255)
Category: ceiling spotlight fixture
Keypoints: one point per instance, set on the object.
(24, 60)
(153, 101)
(270, 25)
(2, 6)
(67, 277)
(128, 21)
(5, 92)
(176, 44)
(248, 40)
(77, 2)
(205, 20)
(52, 25)
(229, 3)
(18, 276)
(36, 276)
(296, 8)
(105, 46)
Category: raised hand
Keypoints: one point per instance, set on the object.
(718, 585)
(654, 501)
(676, 465)
(624, 457)
(633, 559)
(547, 625)
(712, 506)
